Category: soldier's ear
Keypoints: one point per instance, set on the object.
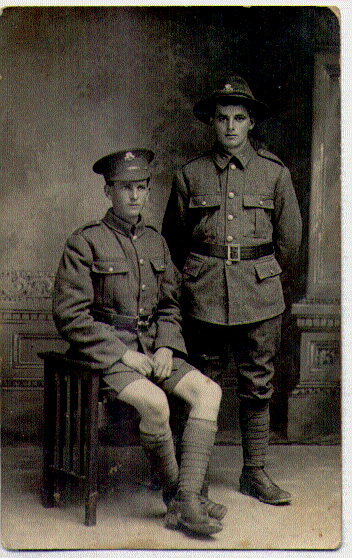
(148, 188)
(252, 123)
(107, 190)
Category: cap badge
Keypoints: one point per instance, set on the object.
(228, 87)
(129, 156)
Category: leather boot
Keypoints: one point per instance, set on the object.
(213, 509)
(186, 512)
(254, 481)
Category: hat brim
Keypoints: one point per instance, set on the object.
(203, 110)
(111, 168)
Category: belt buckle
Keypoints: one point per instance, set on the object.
(237, 257)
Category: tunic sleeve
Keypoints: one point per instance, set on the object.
(287, 220)
(175, 225)
(169, 319)
(72, 301)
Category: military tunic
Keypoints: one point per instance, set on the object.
(117, 289)
(224, 200)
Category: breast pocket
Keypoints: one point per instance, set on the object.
(110, 280)
(204, 201)
(204, 214)
(257, 222)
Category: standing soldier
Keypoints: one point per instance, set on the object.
(232, 224)
(116, 302)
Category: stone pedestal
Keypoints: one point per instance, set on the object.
(314, 405)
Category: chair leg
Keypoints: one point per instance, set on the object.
(92, 445)
(49, 438)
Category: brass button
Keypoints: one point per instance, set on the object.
(228, 262)
(141, 310)
(229, 238)
(134, 237)
(230, 217)
(204, 202)
(111, 269)
(232, 166)
(141, 261)
(261, 203)
(231, 195)
(143, 287)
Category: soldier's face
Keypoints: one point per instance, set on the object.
(128, 198)
(232, 124)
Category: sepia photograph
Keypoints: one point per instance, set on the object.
(170, 264)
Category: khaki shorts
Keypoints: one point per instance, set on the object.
(119, 380)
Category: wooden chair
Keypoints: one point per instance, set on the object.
(70, 444)
(72, 396)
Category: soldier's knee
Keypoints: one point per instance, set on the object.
(212, 393)
(157, 408)
(206, 392)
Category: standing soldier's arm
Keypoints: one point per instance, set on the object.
(73, 298)
(169, 319)
(287, 220)
(175, 225)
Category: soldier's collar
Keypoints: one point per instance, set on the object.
(222, 158)
(116, 223)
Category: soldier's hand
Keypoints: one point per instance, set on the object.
(138, 361)
(162, 363)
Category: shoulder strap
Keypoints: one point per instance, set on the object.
(268, 155)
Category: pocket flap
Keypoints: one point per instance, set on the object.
(267, 268)
(258, 201)
(158, 264)
(110, 266)
(193, 266)
(204, 201)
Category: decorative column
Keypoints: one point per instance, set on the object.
(314, 405)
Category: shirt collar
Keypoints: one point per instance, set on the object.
(122, 226)
(221, 157)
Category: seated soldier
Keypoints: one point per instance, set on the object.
(116, 301)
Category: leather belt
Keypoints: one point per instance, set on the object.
(233, 252)
(121, 321)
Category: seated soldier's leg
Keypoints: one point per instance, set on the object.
(256, 371)
(207, 347)
(203, 396)
(155, 434)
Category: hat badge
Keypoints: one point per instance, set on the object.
(228, 87)
(129, 156)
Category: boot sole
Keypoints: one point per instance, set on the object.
(177, 522)
(252, 493)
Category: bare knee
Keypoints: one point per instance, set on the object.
(200, 391)
(210, 392)
(156, 409)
